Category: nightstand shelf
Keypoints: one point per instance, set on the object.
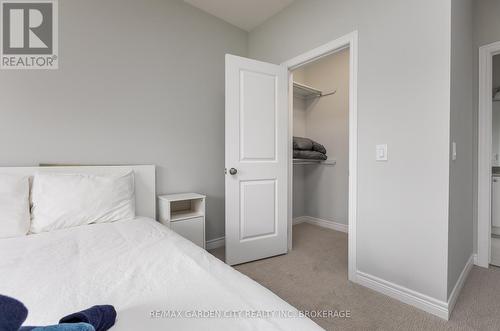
(184, 213)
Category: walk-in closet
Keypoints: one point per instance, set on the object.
(321, 142)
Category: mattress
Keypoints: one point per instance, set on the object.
(156, 280)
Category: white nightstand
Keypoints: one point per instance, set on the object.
(184, 213)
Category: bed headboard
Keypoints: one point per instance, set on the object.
(144, 178)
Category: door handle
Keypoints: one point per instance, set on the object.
(233, 171)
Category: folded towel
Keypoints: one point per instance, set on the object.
(12, 313)
(311, 155)
(306, 144)
(60, 327)
(303, 144)
(100, 317)
(318, 147)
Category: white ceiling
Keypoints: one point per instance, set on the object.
(245, 14)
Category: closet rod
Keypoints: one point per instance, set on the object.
(320, 95)
(327, 94)
(327, 162)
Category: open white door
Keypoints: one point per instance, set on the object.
(256, 159)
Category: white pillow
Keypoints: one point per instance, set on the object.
(68, 200)
(14, 205)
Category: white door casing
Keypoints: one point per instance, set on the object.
(257, 150)
(484, 152)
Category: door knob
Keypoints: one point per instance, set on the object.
(233, 171)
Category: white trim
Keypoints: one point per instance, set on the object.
(322, 222)
(290, 160)
(348, 41)
(403, 294)
(321, 51)
(475, 259)
(484, 153)
(436, 307)
(299, 220)
(215, 243)
(419, 300)
(452, 300)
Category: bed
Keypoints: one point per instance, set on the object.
(156, 279)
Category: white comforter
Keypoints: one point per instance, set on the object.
(141, 268)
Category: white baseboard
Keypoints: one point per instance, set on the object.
(215, 243)
(403, 294)
(421, 301)
(321, 222)
(460, 283)
(298, 220)
(475, 258)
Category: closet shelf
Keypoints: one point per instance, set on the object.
(318, 162)
(308, 92)
(305, 91)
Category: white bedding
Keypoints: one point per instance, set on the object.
(139, 266)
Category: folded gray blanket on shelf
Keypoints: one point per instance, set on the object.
(306, 144)
(310, 155)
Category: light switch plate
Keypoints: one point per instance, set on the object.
(381, 152)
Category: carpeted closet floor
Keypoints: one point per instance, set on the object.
(314, 277)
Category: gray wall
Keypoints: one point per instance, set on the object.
(404, 101)
(139, 82)
(486, 22)
(327, 121)
(460, 241)
(496, 71)
(486, 30)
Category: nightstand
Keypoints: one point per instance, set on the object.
(184, 213)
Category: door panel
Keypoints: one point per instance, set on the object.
(257, 153)
(258, 209)
(258, 114)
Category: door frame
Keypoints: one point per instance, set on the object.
(484, 153)
(350, 41)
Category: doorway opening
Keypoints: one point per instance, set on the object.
(323, 143)
(320, 186)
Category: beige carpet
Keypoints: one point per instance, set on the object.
(314, 277)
